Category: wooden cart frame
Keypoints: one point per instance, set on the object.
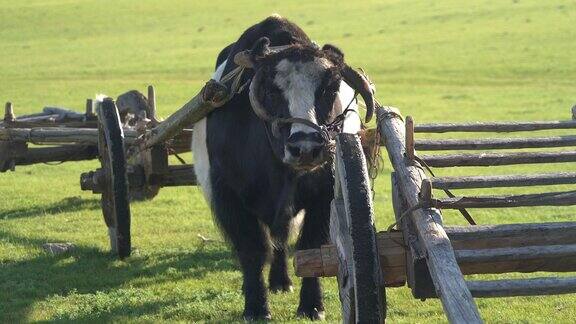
(431, 258)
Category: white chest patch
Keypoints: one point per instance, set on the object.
(200, 150)
(298, 82)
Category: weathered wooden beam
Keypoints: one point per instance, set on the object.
(323, 262)
(90, 113)
(417, 273)
(494, 126)
(8, 151)
(522, 287)
(516, 253)
(511, 235)
(448, 279)
(563, 198)
(495, 143)
(567, 264)
(343, 255)
(177, 175)
(181, 142)
(51, 135)
(212, 95)
(152, 104)
(536, 247)
(57, 154)
(9, 113)
(492, 159)
(410, 149)
(522, 180)
(47, 121)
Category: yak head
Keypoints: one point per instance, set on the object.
(299, 90)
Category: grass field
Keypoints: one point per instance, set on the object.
(437, 61)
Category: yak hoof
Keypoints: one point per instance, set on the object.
(312, 314)
(281, 288)
(252, 316)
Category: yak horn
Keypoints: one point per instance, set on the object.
(243, 59)
(255, 103)
(360, 84)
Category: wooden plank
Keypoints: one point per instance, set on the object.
(393, 256)
(490, 181)
(181, 142)
(448, 279)
(516, 253)
(417, 273)
(563, 198)
(409, 133)
(495, 143)
(493, 159)
(51, 122)
(57, 154)
(54, 135)
(212, 95)
(9, 113)
(177, 175)
(8, 151)
(494, 126)
(152, 103)
(338, 225)
(90, 112)
(323, 262)
(566, 264)
(523, 287)
(511, 235)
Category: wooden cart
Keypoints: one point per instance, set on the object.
(431, 258)
(142, 166)
(133, 152)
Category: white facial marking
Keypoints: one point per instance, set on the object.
(298, 82)
(200, 150)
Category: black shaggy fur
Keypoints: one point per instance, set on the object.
(251, 188)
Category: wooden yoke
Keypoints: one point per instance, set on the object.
(213, 95)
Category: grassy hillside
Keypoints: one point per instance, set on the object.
(437, 61)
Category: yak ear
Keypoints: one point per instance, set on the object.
(333, 52)
(250, 58)
(260, 49)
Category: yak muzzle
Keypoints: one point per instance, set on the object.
(305, 150)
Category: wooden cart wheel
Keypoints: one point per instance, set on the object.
(114, 200)
(360, 278)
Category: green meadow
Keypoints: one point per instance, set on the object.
(438, 61)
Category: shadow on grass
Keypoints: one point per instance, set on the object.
(88, 271)
(68, 204)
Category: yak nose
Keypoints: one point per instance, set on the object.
(304, 148)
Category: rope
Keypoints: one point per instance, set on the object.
(425, 167)
(421, 205)
(172, 151)
(462, 211)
